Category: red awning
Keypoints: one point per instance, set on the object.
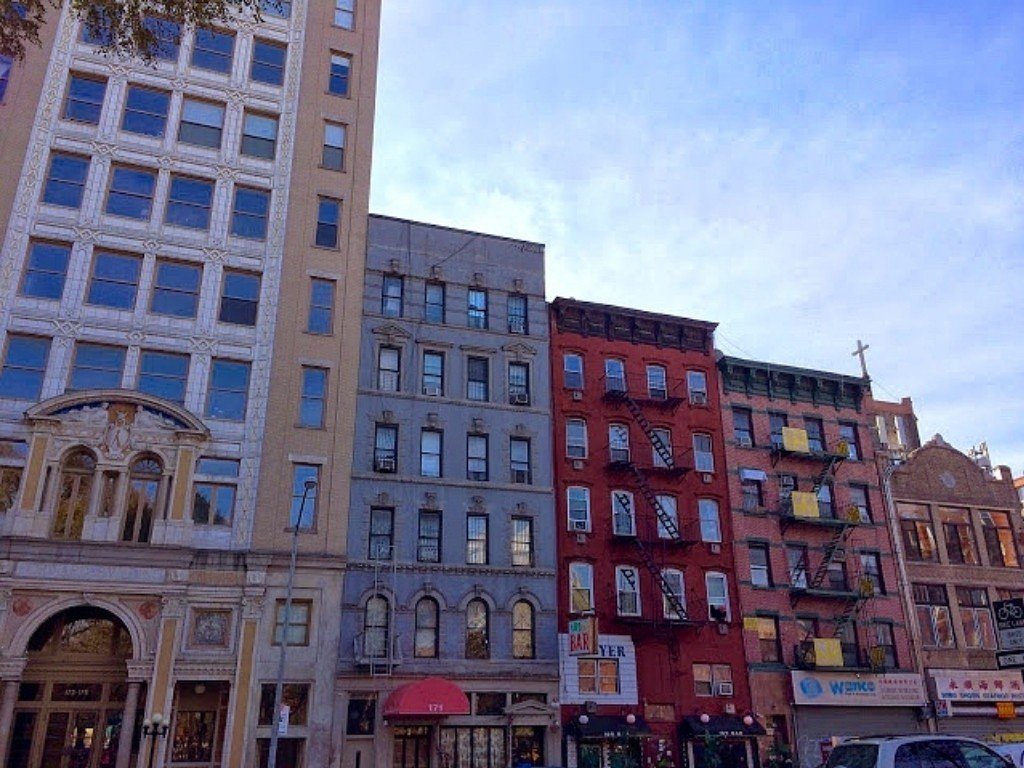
(432, 697)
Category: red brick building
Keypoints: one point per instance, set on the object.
(824, 622)
(645, 543)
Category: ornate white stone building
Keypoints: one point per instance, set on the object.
(180, 283)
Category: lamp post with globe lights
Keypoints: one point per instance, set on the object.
(153, 728)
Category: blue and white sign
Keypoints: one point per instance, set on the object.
(850, 690)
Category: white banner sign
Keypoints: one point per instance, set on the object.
(974, 685)
(865, 690)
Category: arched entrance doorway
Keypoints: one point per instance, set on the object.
(72, 696)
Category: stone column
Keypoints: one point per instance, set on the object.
(124, 744)
(8, 699)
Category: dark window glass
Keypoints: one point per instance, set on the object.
(163, 374)
(189, 202)
(115, 278)
(213, 50)
(433, 309)
(97, 367)
(168, 37)
(478, 384)
(176, 289)
(84, 99)
(229, 388)
(268, 62)
(239, 298)
(24, 367)
(382, 521)
(391, 296)
(314, 397)
(341, 66)
(477, 309)
(327, 222)
(815, 434)
(334, 147)
(6, 64)
(321, 306)
(249, 217)
(145, 111)
(202, 123)
(259, 136)
(45, 270)
(428, 545)
(131, 193)
(517, 320)
(848, 434)
(65, 181)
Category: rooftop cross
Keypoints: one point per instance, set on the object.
(859, 352)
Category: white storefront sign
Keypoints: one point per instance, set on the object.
(865, 690)
(616, 649)
(977, 685)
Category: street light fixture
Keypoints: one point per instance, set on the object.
(153, 729)
(275, 725)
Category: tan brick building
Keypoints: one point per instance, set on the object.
(180, 283)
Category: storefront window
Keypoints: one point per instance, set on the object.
(473, 747)
(527, 746)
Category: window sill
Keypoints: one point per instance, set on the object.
(346, 96)
(323, 167)
(330, 248)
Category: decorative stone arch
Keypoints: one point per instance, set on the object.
(476, 594)
(180, 418)
(523, 595)
(24, 633)
(432, 593)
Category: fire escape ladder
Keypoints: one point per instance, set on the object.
(835, 551)
(865, 591)
(832, 462)
(671, 597)
(667, 523)
(659, 445)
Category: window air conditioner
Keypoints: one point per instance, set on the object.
(744, 442)
(723, 689)
(432, 391)
(698, 398)
(519, 398)
(579, 525)
(384, 464)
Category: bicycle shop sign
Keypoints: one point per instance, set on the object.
(1009, 617)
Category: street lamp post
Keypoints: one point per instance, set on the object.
(308, 487)
(153, 729)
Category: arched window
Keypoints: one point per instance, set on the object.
(140, 507)
(76, 475)
(477, 640)
(522, 631)
(82, 631)
(375, 627)
(426, 629)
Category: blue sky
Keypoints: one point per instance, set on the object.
(804, 174)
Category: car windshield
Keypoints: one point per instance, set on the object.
(853, 756)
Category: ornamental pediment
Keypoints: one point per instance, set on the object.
(392, 333)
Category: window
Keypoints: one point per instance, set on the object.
(815, 434)
(718, 597)
(97, 366)
(704, 459)
(859, 501)
(661, 448)
(202, 123)
(476, 457)
(477, 630)
(427, 620)
(976, 617)
(250, 212)
(433, 373)
(76, 475)
(752, 485)
(522, 630)
(168, 37)
(598, 676)
(697, 387)
(476, 312)
(314, 397)
(657, 382)
(836, 578)
(576, 438)
(333, 156)
(433, 303)
(428, 542)
(145, 111)
(956, 526)
(517, 314)
(163, 374)
(614, 375)
(710, 525)
(787, 484)
(627, 590)
(391, 296)
(389, 369)
(581, 587)
(519, 456)
(768, 639)
(776, 423)
(849, 643)
(871, 571)
(213, 50)
(478, 375)
(189, 202)
(83, 101)
(826, 508)
(618, 443)
(674, 581)
(916, 527)
(796, 560)
(239, 298)
(321, 306)
(98, 35)
(519, 383)
(176, 289)
(579, 508)
(292, 627)
(668, 507)
(295, 695)
(932, 608)
(65, 180)
(476, 540)
(760, 566)
(742, 427)
(304, 505)
(385, 452)
(229, 389)
(259, 136)
(995, 526)
(522, 541)
(131, 193)
(376, 623)
(708, 677)
(884, 649)
(328, 218)
(382, 533)
(213, 499)
(430, 453)
(848, 435)
(572, 369)
(623, 515)
(24, 367)
(280, 8)
(338, 82)
(45, 270)
(268, 61)
(143, 484)
(344, 13)
(6, 64)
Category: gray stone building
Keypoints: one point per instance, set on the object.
(448, 650)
